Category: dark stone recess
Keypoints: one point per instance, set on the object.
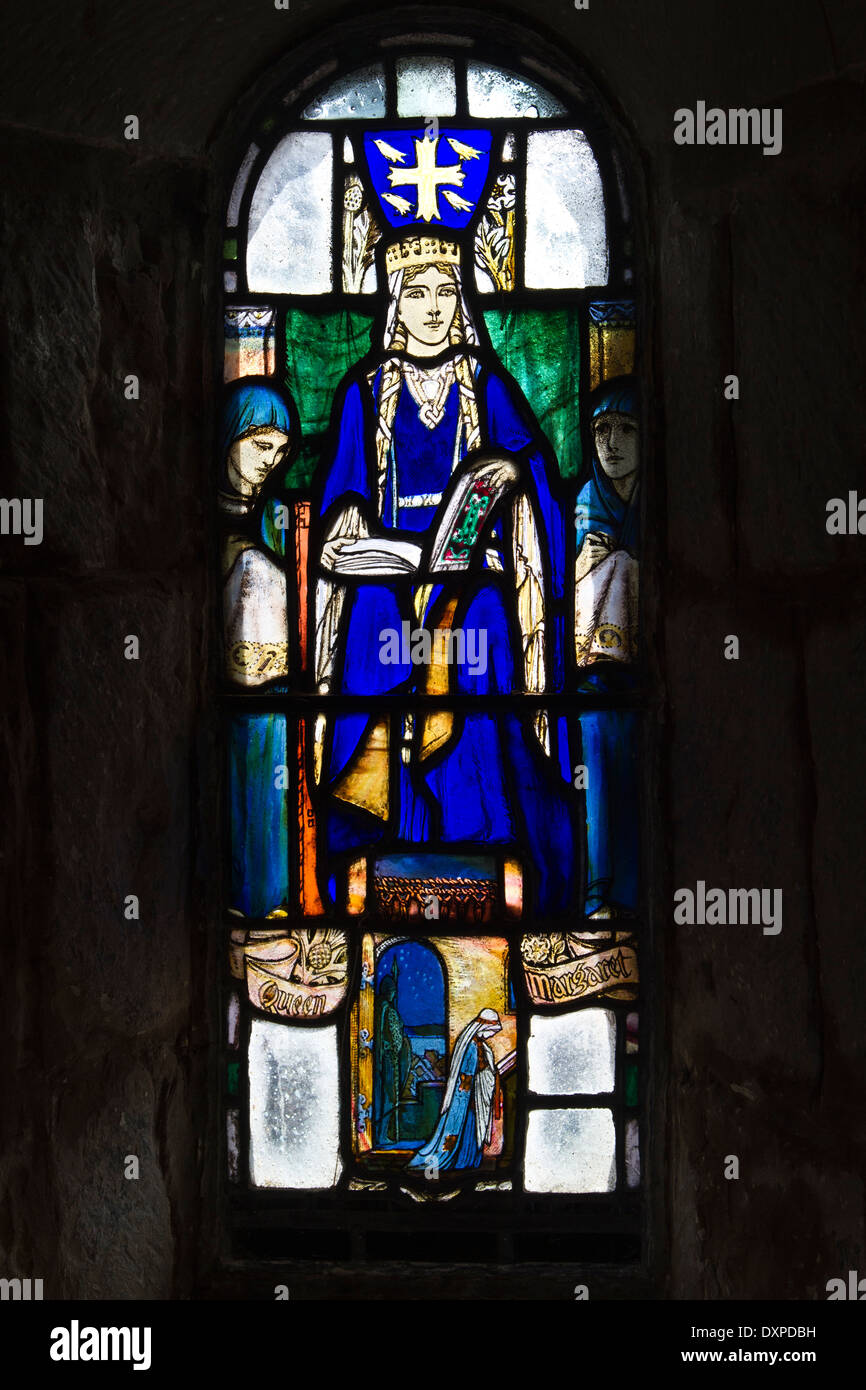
(102, 278)
(110, 768)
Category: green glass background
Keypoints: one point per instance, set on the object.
(540, 348)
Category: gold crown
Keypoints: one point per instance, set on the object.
(420, 250)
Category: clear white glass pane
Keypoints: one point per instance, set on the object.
(509, 149)
(566, 240)
(230, 280)
(294, 1106)
(493, 92)
(426, 87)
(572, 1053)
(632, 1154)
(570, 1151)
(358, 96)
(233, 1020)
(348, 152)
(240, 184)
(289, 239)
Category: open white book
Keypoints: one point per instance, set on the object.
(473, 493)
(372, 555)
(507, 1063)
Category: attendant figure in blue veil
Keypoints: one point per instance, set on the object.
(405, 420)
(471, 1098)
(606, 601)
(257, 428)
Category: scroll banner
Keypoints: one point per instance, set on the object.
(274, 968)
(289, 998)
(578, 979)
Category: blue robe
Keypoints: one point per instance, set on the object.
(609, 737)
(259, 815)
(492, 784)
(454, 1141)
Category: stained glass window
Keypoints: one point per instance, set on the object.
(428, 484)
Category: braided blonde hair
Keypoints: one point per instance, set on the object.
(392, 381)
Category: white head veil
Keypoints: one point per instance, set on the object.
(394, 370)
(484, 1080)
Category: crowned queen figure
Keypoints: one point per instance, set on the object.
(439, 519)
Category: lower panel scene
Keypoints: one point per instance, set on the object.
(434, 1057)
(386, 1073)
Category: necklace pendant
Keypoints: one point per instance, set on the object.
(429, 415)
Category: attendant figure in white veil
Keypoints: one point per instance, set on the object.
(471, 1102)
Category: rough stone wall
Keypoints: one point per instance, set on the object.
(109, 267)
(105, 1015)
